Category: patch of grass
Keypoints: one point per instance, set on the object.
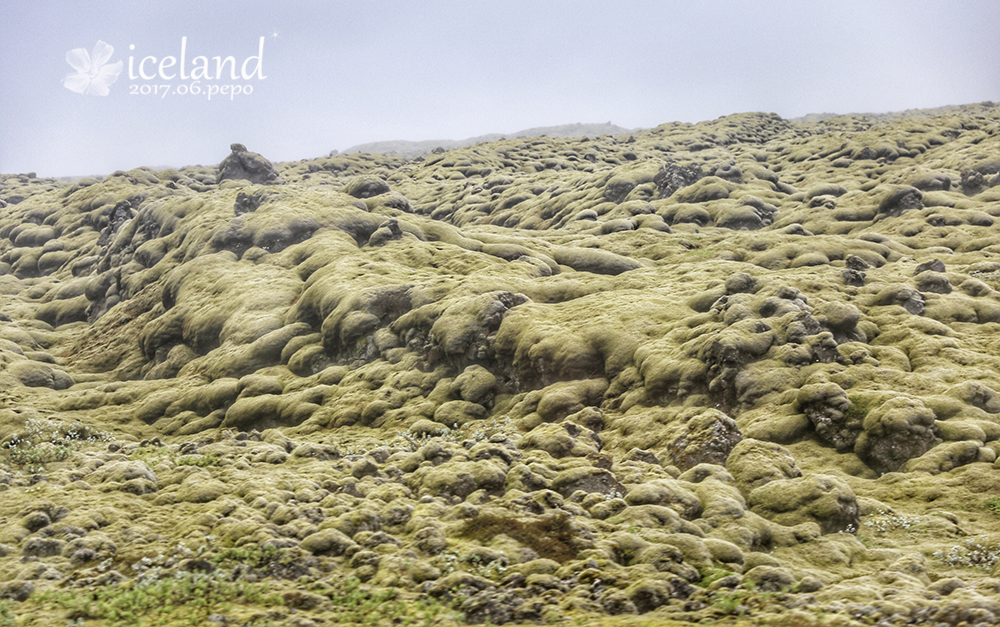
(860, 406)
(38, 430)
(992, 505)
(731, 603)
(255, 556)
(43, 441)
(182, 599)
(34, 457)
(744, 599)
(713, 575)
(362, 605)
(149, 454)
(7, 616)
(201, 461)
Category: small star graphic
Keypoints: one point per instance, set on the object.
(274, 35)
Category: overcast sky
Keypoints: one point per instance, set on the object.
(333, 74)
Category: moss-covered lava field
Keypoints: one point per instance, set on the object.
(740, 372)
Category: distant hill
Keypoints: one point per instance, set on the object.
(416, 148)
(889, 116)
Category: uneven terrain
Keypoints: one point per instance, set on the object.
(744, 372)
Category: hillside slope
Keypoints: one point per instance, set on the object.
(746, 370)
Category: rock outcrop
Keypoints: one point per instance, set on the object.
(242, 164)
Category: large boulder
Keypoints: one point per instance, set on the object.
(561, 440)
(250, 166)
(899, 199)
(673, 177)
(754, 463)
(366, 187)
(822, 499)
(134, 477)
(707, 437)
(896, 431)
(589, 479)
(668, 493)
(828, 408)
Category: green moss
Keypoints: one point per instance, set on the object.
(532, 292)
(7, 615)
(253, 555)
(594, 260)
(201, 461)
(181, 599)
(357, 604)
(732, 603)
(35, 456)
(42, 441)
(860, 406)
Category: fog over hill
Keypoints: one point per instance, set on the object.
(416, 148)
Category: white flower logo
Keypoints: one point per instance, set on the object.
(92, 76)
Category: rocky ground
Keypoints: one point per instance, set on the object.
(744, 372)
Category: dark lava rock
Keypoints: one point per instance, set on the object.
(246, 203)
(672, 177)
(934, 265)
(901, 199)
(122, 213)
(250, 166)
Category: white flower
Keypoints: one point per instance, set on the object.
(92, 76)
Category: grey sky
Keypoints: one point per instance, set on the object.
(344, 73)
